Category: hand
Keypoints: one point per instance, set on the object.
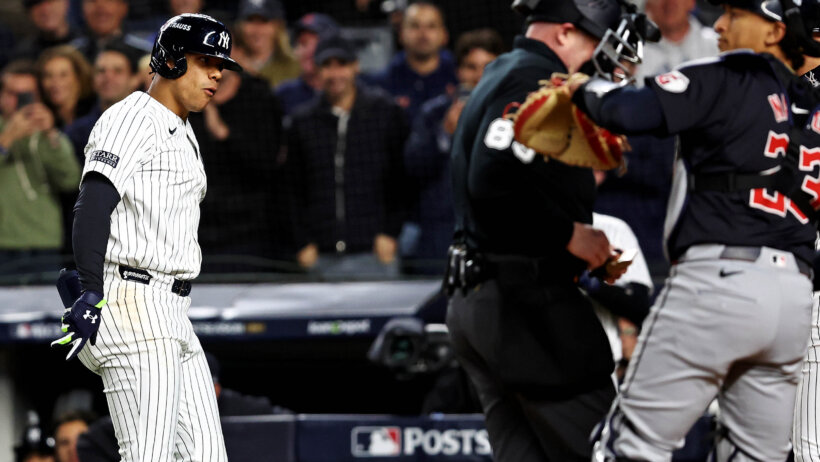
(451, 118)
(384, 247)
(589, 244)
(308, 256)
(39, 116)
(17, 127)
(81, 322)
(214, 123)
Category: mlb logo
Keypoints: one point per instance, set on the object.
(376, 441)
(779, 260)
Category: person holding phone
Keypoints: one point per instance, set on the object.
(36, 164)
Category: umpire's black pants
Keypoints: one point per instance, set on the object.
(541, 365)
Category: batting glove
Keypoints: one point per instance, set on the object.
(81, 322)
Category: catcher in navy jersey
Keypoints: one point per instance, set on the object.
(732, 321)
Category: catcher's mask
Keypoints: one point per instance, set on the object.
(622, 48)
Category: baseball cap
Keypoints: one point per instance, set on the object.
(334, 47)
(594, 17)
(809, 11)
(318, 23)
(268, 9)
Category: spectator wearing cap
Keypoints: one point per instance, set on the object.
(346, 171)
(114, 77)
(424, 70)
(262, 44)
(104, 23)
(308, 31)
(427, 157)
(35, 446)
(51, 27)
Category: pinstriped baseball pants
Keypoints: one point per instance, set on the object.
(156, 380)
(806, 435)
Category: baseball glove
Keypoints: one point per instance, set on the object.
(549, 123)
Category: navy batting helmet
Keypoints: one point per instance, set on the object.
(190, 33)
(594, 17)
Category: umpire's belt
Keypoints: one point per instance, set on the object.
(127, 273)
(466, 269)
(751, 254)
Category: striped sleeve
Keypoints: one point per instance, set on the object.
(120, 142)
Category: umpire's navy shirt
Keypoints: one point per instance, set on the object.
(510, 199)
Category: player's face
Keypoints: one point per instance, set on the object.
(66, 440)
(472, 66)
(50, 16)
(338, 78)
(104, 17)
(113, 79)
(200, 82)
(739, 28)
(13, 86)
(422, 31)
(60, 82)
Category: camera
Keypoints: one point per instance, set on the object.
(409, 347)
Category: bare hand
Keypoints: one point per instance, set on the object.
(308, 256)
(589, 244)
(385, 247)
(40, 117)
(17, 127)
(214, 123)
(451, 118)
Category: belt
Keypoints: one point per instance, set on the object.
(753, 254)
(127, 273)
(467, 268)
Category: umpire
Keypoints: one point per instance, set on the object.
(521, 328)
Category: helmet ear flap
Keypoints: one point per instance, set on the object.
(159, 62)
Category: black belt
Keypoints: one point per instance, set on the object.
(753, 253)
(467, 268)
(127, 273)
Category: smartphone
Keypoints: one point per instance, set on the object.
(24, 99)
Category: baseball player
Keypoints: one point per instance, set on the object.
(806, 429)
(733, 318)
(135, 245)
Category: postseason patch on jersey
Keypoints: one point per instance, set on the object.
(673, 82)
(105, 157)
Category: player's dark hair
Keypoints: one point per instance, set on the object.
(792, 50)
(485, 39)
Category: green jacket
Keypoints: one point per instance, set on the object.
(35, 170)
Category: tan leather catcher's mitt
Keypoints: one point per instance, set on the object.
(550, 124)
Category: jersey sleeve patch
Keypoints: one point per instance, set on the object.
(106, 158)
(673, 82)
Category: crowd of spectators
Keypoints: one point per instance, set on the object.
(313, 165)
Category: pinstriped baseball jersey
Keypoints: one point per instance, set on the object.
(151, 156)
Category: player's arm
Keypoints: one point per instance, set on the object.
(624, 110)
(92, 226)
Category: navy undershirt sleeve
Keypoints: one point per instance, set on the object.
(92, 226)
(627, 110)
